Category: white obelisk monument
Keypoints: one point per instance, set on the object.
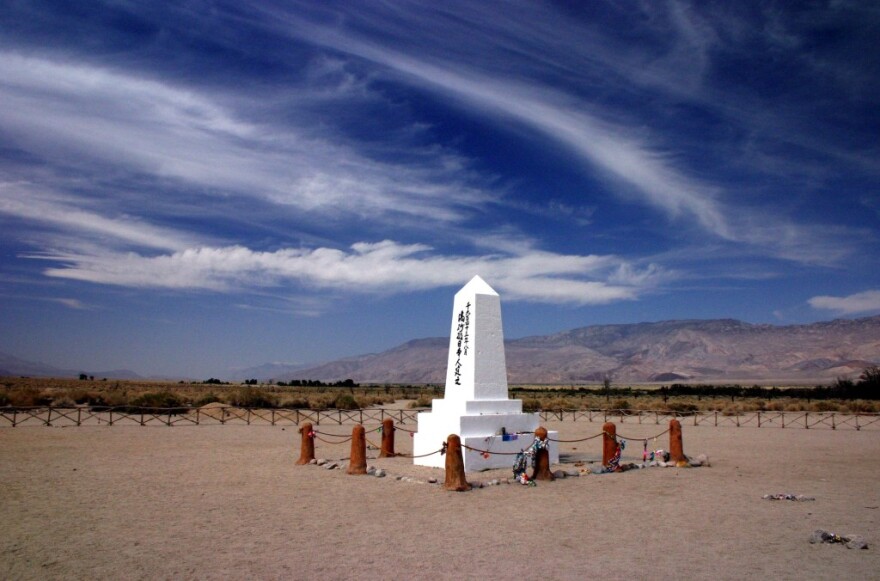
(475, 404)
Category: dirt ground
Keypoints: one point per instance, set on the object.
(208, 502)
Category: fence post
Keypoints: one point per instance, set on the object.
(759, 419)
(388, 429)
(541, 470)
(609, 442)
(455, 478)
(676, 448)
(716, 418)
(78, 416)
(358, 461)
(307, 446)
(49, 417)
(833, 423)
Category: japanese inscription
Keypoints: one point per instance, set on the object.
(462, 337)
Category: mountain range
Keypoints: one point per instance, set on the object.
(723, 350)
(706, 351)
(13, 366)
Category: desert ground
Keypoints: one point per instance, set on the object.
(209, 502)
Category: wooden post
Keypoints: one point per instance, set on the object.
(358, 461)
(307, 447)
(387, 450)
(676, 449)
(541, 470)
(455, 479)
(609, 442)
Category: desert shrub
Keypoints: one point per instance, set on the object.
(825, 406)
(295, 403)
(861, 406)
(531, 404)
(63, 401)
(345, 401)
(157, 399)
(620, 404)
(4, 398)
(557, 404)
(253, 398)
(682, 407)
(28, 396)
(423, 401)
(205, 399)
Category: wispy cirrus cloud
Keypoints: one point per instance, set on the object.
(385, 268)
(639, 163)
(64, 213)
(61, 111)
(863, 302)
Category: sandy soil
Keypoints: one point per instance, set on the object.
(228, 502)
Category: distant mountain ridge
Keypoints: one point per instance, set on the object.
(14, 366)
(715, 350)
(719, 350)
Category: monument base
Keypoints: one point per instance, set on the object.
(500, 434)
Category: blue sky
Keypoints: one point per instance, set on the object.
(193, 187)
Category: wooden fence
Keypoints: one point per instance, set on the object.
(85, 416)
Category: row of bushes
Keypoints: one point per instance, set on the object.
(247, 397)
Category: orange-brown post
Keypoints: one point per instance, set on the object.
(358, 462)
(609, 442)
(455, 479)
(387, 439)
(541, 470)
(676, 449)
(307, 448)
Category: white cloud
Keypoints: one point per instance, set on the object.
(628, 155)
(862, 302)
(63, 112)
(384, 267)
(24, 201)
(75, 304)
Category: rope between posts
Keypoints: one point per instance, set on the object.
(666, 431)
(328, 434)
(466, 447)
(440, 451)
(602, 433)
(317, 437)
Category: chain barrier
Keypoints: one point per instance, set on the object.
(441, 451)
(622, 437)
(579, 440)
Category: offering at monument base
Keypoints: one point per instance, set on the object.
(475, 405)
